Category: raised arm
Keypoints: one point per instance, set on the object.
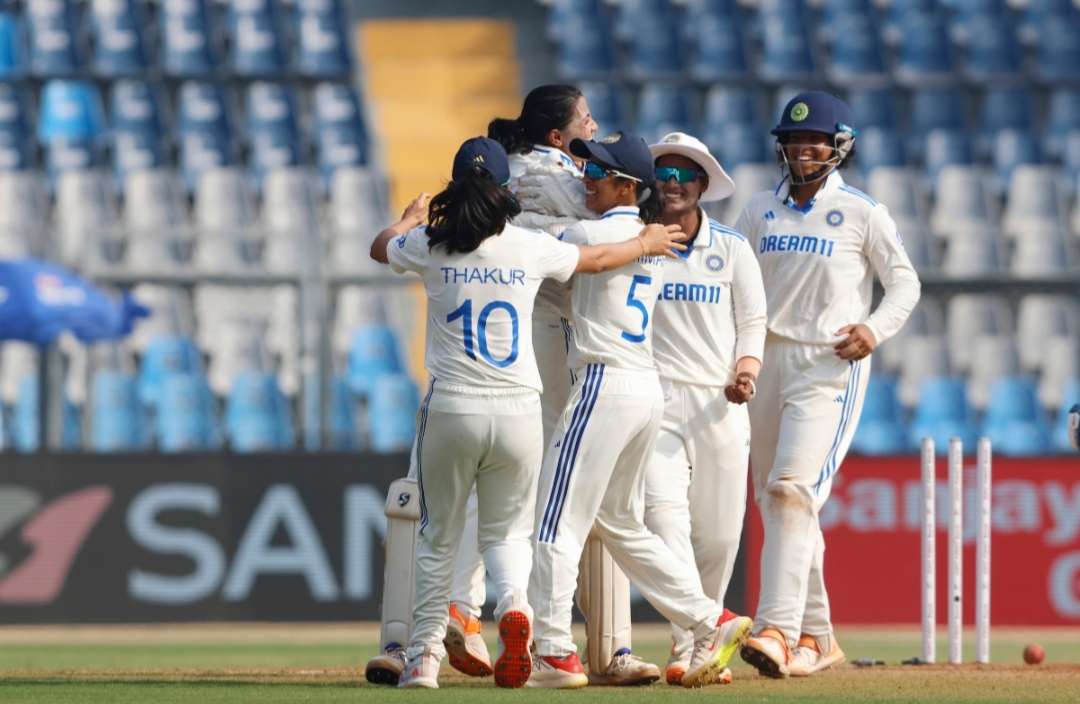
(654, 240)
(414, 216)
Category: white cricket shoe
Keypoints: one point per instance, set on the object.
(422, 671)
(387, 667)
(713, 652)
(807, 657)
(513, 667)
(768, 652)
(465, 647)
(625, 670)
(555, 672)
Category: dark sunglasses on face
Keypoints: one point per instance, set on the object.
(679, 173)
(595, 172)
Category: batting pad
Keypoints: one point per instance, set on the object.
(402, 520)
(604, 599)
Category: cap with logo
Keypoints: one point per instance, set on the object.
(815, 111)
(720, 184)
(484, 153)
(621, 151)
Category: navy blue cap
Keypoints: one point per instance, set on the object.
(815, 111)
(485, 153)
(621, 151)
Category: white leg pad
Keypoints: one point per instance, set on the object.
(604, 599)
(399, 584)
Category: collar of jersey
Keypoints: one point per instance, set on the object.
(561, 155)
(832, 182)
(631, 211)
(703, 229)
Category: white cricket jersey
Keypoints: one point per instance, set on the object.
(818, 262)
(480, 304)
(612, 312)
(711, 308)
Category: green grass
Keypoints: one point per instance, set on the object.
(234, 664)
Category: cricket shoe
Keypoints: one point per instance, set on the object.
(713, 652)
(465, 646)
(626, 670)
(387, 667)
(554, 672)
(807, 657)
(768, 652)
(514, 664)
(421, 672)
(677, 665)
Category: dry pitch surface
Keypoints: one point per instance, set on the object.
(323, 663)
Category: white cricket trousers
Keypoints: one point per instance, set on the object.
(492, 441)
(803, 418)
(551, 343)
(593, 480)
(695, 486)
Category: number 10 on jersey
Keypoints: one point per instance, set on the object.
(464, 312)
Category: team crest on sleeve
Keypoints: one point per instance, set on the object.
(714, 262)
(400, 241)
(835, 218)
(770, 215)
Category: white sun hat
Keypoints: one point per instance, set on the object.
(720, 184)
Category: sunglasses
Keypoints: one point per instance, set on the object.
(595, 172)
(680, 174)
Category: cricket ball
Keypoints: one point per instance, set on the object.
(1034, 654)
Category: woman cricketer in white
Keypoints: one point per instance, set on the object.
(707, 341)
(479, 424)
(594, 469)
(819, 242)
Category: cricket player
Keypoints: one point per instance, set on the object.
(819, 242)
(594, 469)
(479, 424)
(708, 340)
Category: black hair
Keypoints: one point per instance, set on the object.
(468, 211)
(650, 208)
(546, 108)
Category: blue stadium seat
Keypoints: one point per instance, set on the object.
(697, 11)
(70, 125)
(165, 356)
(13, 59)
(340, 134)
(16, 136)
(584, 55)
(54, 45)
(873, 107)
(1011, 148)
(878, 146)
(24, 417)
(117, 416)
(1061, 426)
(786, 51)
(1004, 109)
(925, 53)
(117, 29)
(991, 52)
(187, 47)
(374, 351)
(739, 144)
(1038, 13)
(855, 53)
(718, 51)
(933, 108)
(205, 129)
(881, 429)
(633, 17)
(1070, 157)
(654, 47)
(186, 419)
(258, 47)
(892, 31)
(342, 417)
(725, 105)
(256, 418)
(575, 17)
(941, 413)
(138, 127)
(1063, 116)
(662, 108)
(605, 104)
(392, 413)
(272, 127)
(1057, 56)
(1014, 421)
(944, 147)
(322, 49)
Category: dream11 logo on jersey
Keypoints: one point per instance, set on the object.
(39, 543)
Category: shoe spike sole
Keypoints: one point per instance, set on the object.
(514, 666)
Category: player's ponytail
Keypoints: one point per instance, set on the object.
(546, 108)
(468, 211)
(649, 209)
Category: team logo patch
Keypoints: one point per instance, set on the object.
(770, 215)
(834, 218)
(400, 241)
(799, 112)
(714, 262)
(611, 138)
(478, 159)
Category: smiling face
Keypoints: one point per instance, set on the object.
(581, 126)
(806, 152)
(603, 194)
(678, 197)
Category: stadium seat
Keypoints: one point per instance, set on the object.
(945, 147)
(896, 186)
(1040, 252)
(635, 16)
(971, 316)
(1063, 117)
(972, 250)
(749, 179)
(1040, 317)
(662, 108)
(70, 110)
(289, 218)
(170, 315)
(879, 148)
(583, 55)
(23, 214)
(654, 48)
(1012, 148)
(1061, 441)
(322, 47)
(256, 416)
(960, 197)
(1057, 57)
(991, 52)
(187, 46)
(225, 218)
(373, 352)
(255, 38)
(719, 53)
(86, 218)
(726, 105)
(25, 420)
(16, 133)
(342, 424)
(881, 429)
(14, 63)
(942, 413)
(355, 307)
(341, 136)
(738, 144)
(116, 417)
(606, 105)
(993, 357)
(855, 54)
(924, 356)
(392, 413)
(165, 355)
(137, 128)
(573, 18)
(1060, 368)
(53, 39)
(117, 30)
(154, 200)
(917, 241)
(205, 130)
(186, 419)
(357, 200)
(1014, 422)
(1006, 108)
(873, 107)
(1034, 199)
(936, 108)
(786, 52)
(924, 52)
(272, 127)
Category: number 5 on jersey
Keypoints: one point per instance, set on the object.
(464, 311)
(633, 302)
